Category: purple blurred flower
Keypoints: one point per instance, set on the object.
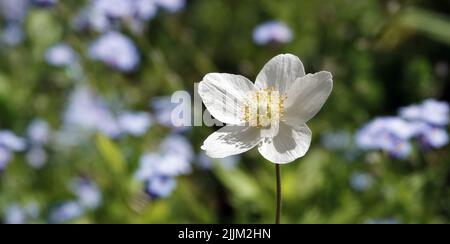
(435, 138)
(160, 186)
(14, 10)
(36, 157)
(146, 9)
(272, 31)
(82, 108)
(158, 172)
(157, 164)
(38, 132)
(12, 142)
(107, 124)
(104, 15)
(163, 108)
(171, 5)
(88, 112)
(148, 166)
(430, 118)
(5, 158)
(178, 145)
(430, 111)
(432, 136)
(135, 124)
(44, 3)
(90, 17)
(9, 142)
(390, 134)
(66, 212)
(158, 169)
(88, 193)
(12, 34)
(115, 50)
(15, 215)
(61, 55)
(114, 8)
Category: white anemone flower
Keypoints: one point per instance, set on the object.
(270, 114)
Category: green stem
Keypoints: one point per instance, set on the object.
(278, 209)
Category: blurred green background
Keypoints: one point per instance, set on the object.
(383, 55)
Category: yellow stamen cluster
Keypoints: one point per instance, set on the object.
(263, 107)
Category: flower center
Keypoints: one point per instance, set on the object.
(263, 107)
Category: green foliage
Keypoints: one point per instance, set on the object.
(382, 57)
(111, 155)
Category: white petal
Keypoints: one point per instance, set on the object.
(224, 96)
(307, 96)
(271, 130)
(280, 73)
(231, 140)
(290, 143)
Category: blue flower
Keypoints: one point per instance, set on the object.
(158, 164)
(146, 9)
(92, 18)
(435, 138)
(430, 118)
(36, 157)
(430, 111)
(88, 193)
(390, 134)
(14, 10)
(13, 34)
(116, 50)
(44, 3)
(15, 215)
(61, 55)
(10, 141)
(361, 181)
(38, 132)
(178, 145)
(88, 112)
(5, 158)
(158, 172)
(432, 136)
(272, 32)
(114, 8)
(163, 108)
(171, 5)
(148, 166)
(136, 123)
(14, 13)
(66, 212)
(158, 169)
(160, 186)
(104, 15)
